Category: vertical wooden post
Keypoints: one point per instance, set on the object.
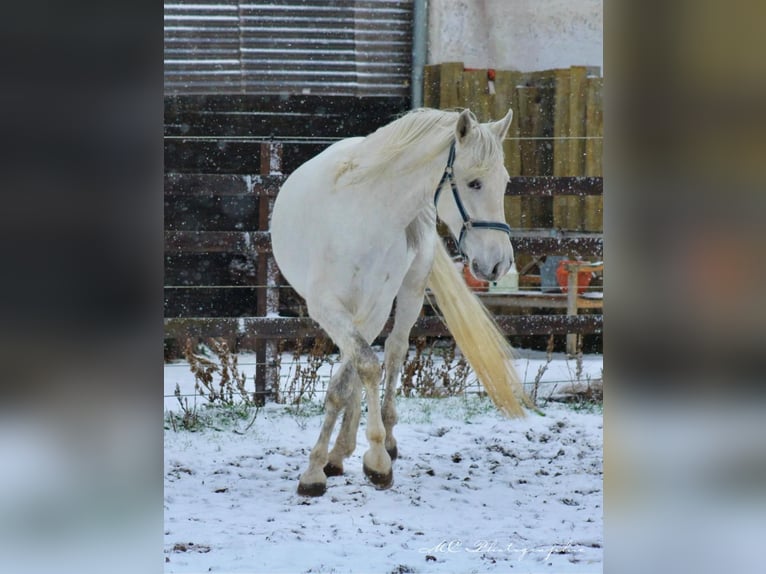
(572, 306)
(267, 278)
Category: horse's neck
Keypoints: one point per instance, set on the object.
(420, 172)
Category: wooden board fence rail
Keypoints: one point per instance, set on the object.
(278, 328)
(530, 241)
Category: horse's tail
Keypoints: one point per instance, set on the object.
(477, 335)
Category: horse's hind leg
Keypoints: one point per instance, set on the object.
(346, 441)
(313, 482)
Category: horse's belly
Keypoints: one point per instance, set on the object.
(372, 299)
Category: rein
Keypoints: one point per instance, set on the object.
(468, 221)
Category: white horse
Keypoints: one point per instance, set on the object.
(355, 228)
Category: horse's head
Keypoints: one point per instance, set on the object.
(474, 210)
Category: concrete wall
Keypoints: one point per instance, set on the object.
(524, 35)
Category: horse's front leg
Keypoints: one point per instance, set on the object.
(409, 302)
(396, 351)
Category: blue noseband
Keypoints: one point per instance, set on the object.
(468, 222)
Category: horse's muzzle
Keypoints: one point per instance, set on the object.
(493, 274)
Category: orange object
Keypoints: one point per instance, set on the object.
(472, 282)
(562, 276)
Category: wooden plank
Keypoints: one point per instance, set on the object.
(304, 327)
(536, 299)
(534, 242)
(211, 212)
(208, 270)
(527, 128)
(450, 86)
(594, 206)
(524, 149)
(560, 144)
(594, 214)
(561, 123)
(506, 97)
(243, 242)
(531, 130)
(210, 301)
(431, 86)
(541, 78)
(576, 143)
(204, 184)
(468, 88)
(571, 247)
(476, 94)
(221, 184)
(594, 127)
(577, 97)
(195, 327)
(551, 186)
(229, 156)
(212, 156)
(512, 206)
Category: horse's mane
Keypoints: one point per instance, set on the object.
(406, 134)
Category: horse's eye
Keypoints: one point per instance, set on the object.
(475, 184)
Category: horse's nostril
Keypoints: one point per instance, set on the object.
(496, 271)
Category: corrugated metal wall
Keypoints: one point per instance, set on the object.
(326, 47)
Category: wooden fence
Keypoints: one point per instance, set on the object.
(557, 130)
(224, 167)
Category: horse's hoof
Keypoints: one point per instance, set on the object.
(380, 480)
(393, 453)
(331, 470)
(316, 489)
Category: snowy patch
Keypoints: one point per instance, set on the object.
(473, 492)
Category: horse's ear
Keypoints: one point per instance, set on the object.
(500, 127)
(466, 122)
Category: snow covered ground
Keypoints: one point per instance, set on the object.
(473, 491)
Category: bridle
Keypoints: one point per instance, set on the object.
(468, 222)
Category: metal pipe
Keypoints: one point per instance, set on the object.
(419, 49)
